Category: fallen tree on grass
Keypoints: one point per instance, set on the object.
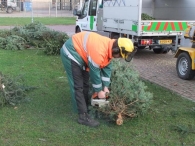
(128, 96)
(33, 36)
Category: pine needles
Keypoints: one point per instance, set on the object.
(129, 97)
(34, 35)
(145, 16)
(12, 91)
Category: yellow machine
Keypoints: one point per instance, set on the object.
(186, 55)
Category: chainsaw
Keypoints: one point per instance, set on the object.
(95, 101)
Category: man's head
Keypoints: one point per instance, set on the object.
(123, 48)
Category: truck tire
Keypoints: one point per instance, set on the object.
(157, 51)
(141, 47)
(183, 67)
(9, 10)
(113, 35)
(78, 30)
(165, 51)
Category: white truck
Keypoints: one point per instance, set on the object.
(123, 18)
(8, 5)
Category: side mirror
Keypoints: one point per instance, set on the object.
(77, 12)
(74, 12)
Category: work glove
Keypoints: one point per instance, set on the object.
(106, 90)
(101, 94)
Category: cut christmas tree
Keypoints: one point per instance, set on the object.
(128, 96)
(12, 90)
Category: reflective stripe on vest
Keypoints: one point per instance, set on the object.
(68, 54)
(97, 86)
(89, 58)
(105, 79)
(85, 41)
(85, 48)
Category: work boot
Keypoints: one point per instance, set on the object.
(85, 119)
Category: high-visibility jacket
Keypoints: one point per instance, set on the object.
(92, 52)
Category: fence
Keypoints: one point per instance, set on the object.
(41, 9)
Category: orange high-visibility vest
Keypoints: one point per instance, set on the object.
(95, 46)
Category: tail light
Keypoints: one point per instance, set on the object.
(146, 41)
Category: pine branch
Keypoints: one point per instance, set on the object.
(12, 91)
(128, 95)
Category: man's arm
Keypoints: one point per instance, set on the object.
(94, 72)
(106, 74)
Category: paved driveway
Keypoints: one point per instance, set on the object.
(161, 69)
(157, 68)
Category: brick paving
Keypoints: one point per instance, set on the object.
(161, 69)
(156, 68)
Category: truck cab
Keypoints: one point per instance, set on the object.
(87, 16)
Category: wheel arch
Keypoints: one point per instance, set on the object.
(9, 7)
(177, 53)
(77, 26)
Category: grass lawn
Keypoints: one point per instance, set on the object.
(10, 21)
(47, 119)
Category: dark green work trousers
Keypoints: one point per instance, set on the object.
(79, 83)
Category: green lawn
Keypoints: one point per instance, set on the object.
(47, 119)
(10, 21)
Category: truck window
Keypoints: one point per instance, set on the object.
(93, 8)
(85, 8)
(101, 5)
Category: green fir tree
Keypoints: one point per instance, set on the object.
(128, 96)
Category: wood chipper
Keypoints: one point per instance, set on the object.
(185, 54)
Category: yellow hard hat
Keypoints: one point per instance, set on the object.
(126, 48)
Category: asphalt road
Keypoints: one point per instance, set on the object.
(156, 68)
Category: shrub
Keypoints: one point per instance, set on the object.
(145, 16)
(33, 35)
